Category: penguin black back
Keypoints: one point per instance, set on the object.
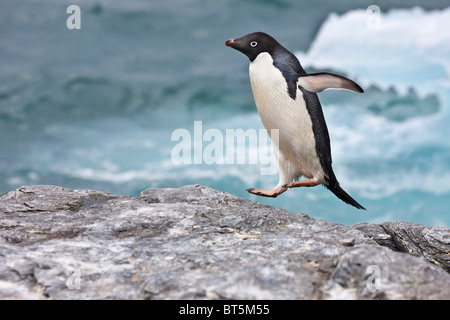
(323, 147)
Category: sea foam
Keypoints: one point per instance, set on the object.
(410, 52)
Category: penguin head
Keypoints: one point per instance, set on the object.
(253, 44)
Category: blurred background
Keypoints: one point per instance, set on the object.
(95, 108)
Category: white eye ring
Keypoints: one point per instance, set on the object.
(253, 44)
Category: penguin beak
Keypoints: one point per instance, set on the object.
(230, 43)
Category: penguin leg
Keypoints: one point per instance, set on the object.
(275, 192)
(285, 175)
(304, 183)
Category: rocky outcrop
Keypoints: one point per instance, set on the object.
(198, 243)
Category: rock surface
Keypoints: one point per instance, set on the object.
(198, 243)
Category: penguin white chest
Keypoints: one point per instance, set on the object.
(278, 110)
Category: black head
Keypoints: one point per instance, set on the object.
(253, 44)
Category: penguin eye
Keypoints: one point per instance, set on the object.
(253, 44)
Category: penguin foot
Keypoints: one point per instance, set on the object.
(275, 192)
(304, 183)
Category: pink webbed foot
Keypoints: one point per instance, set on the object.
(275, 192)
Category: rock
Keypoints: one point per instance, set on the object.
(198, 243)
(378, 234)
(431, 243)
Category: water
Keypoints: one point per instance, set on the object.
(95, 108)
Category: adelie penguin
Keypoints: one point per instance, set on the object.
(287, 102)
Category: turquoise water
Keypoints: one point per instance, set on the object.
(95, 108)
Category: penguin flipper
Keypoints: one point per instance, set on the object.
(317, 82)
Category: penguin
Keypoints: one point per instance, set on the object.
(287, 103)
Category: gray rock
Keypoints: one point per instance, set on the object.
(431, 243)
(378, 234)
(198, 243)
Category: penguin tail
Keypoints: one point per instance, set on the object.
(333, 186)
